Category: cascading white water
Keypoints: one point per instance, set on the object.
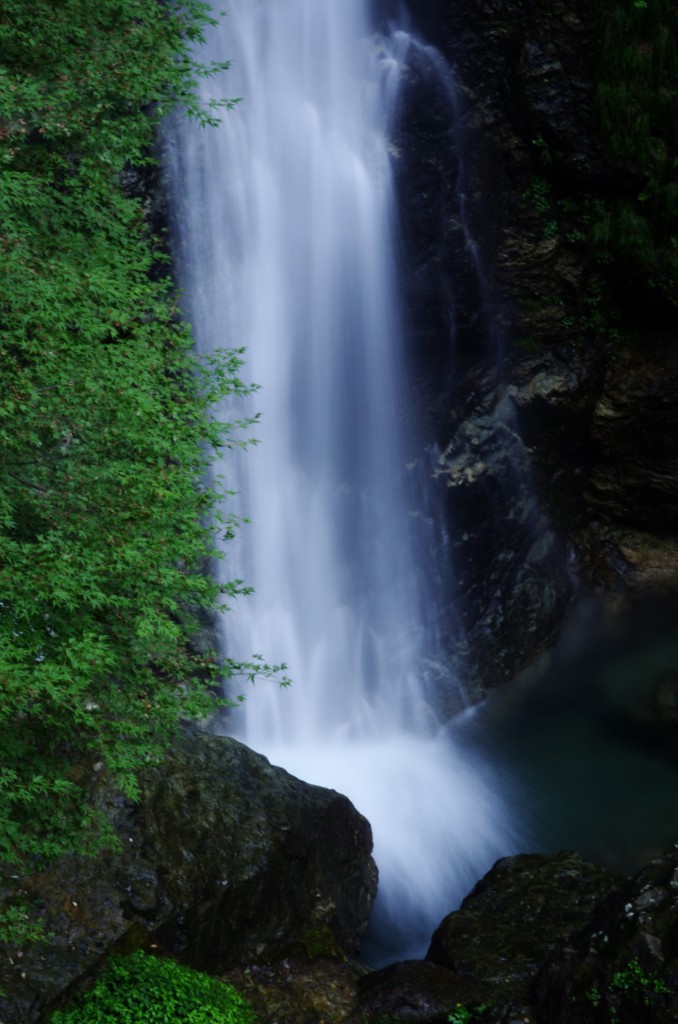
(288, 247)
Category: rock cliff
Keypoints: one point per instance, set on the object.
(545, 366)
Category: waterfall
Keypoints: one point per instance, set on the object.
(289, 246)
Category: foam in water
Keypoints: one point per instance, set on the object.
(288, 247)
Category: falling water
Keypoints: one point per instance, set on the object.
(288, 247)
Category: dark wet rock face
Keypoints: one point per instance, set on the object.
(473, 247)
(554, 433)
(634, 479)
(510, 563)
(225, 858)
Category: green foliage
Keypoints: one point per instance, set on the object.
(466, 1015)
(99, 75)
(542, 149)
(15, 923)
(526, 343)
(460, 1015)
(141, 989)
(630, 987)
(593, 996)
(633, 977)
(637, 111)
(538, 193)
(319, 942)
(629, 230)
(106, 424)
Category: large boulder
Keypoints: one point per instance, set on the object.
(545, 939)
(225, 858)
(484, 958)
(623, 966)
(524, 907)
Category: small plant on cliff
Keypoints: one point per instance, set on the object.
(462, 1014)
(141, 989)
(633, 978)
(630, 985)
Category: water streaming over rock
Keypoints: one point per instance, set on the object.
(289, 246)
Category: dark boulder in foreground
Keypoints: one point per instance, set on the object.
(545, 940)
(488, 953)
(623, 966)
(224, 859)
(525, 907)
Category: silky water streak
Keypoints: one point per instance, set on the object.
(287, 246)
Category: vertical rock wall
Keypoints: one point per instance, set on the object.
(551, 399)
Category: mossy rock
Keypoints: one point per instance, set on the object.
(142, 989)
(224, 860)
(524, 908)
